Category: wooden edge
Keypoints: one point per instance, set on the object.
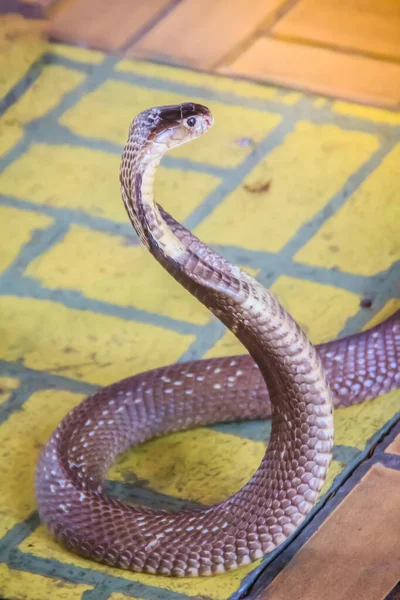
(376, 454)
(394, 594)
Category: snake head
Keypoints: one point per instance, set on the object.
(171, 126)
(181, 123)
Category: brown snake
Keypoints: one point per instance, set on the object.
(283, 490)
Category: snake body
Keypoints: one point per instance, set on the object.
(283, 376)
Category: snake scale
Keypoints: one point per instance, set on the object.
(283, 376)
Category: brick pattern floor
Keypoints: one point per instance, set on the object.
(284, 185)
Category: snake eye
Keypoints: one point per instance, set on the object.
(191, 121)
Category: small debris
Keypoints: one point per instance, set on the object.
(366, 303)
(257, 188)
(245, 142)
(68, 350)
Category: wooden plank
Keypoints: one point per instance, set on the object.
(394, 447)
(355, 553)
(394, 594)
(102, 24)
(371, 26)
(200, 33)
(337, 74)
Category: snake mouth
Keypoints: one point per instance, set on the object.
(209, 120)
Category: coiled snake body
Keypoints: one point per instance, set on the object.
(281, 493)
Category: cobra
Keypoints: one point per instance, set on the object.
(283, 376)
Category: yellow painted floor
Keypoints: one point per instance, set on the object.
(301, 191)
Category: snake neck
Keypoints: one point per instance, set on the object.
(137, 184)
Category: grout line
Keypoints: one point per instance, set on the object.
(18, 398)
(328, 116)
(162, 13)
(17, 535)
(69, 572)
(206, 339)
(27, 287)
(19, 89)
(268, 22)
(72, 216)
(266, 262)
(36, 69)
(42, 239)
(282, 12)
(44, 380)
(146, 496)
(94, 79)
(345, 50)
